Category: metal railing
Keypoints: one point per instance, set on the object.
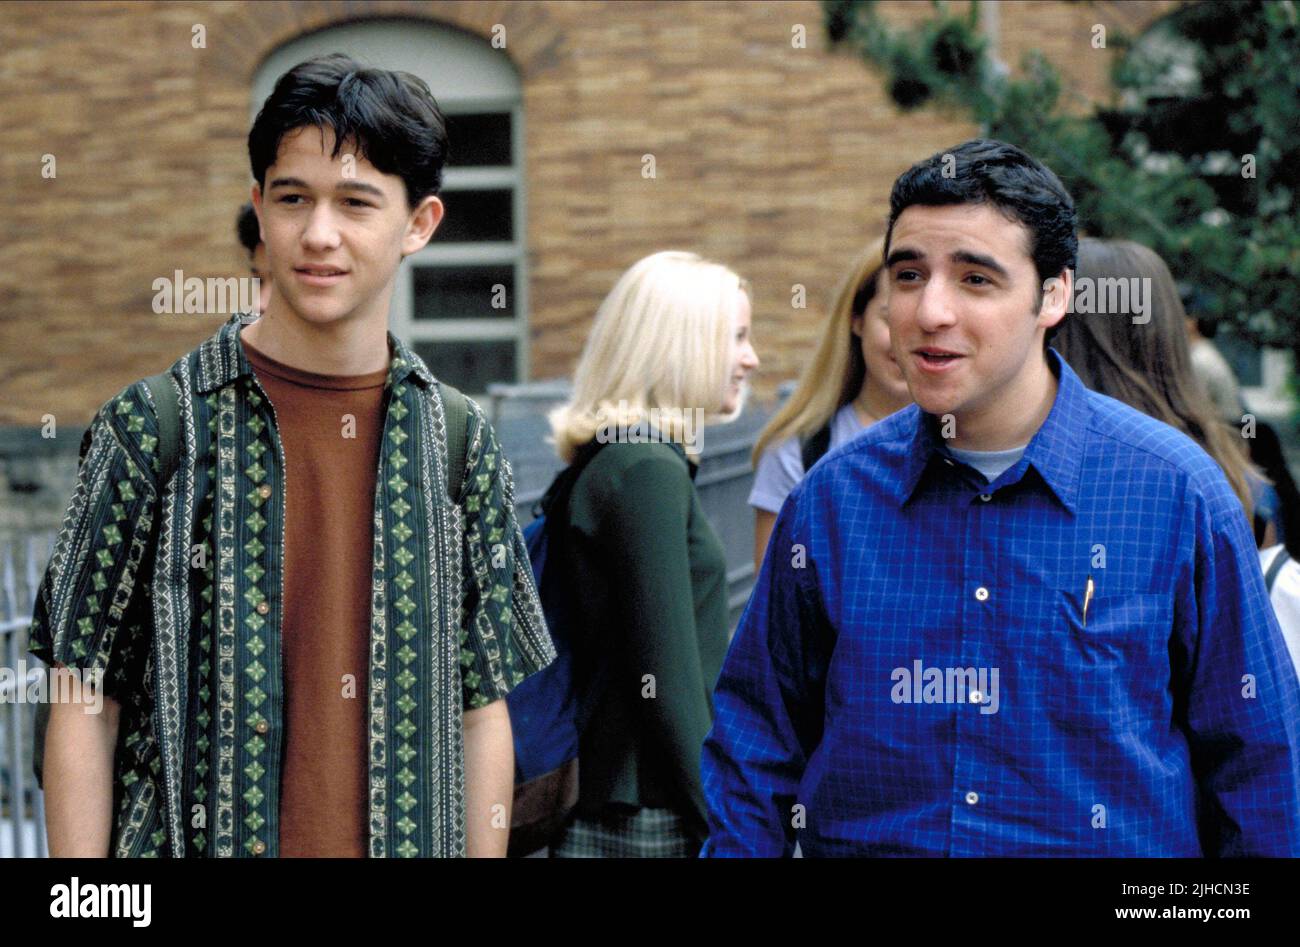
(22, 804)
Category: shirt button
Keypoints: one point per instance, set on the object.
(263, 608)
(948, 461)
(261, 726)
(972, 798)
(982, 594)
(264, 491)
(976, 697)
(985, 497)
(259, 848)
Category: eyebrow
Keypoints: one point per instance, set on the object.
(958, 256)
(359, 186)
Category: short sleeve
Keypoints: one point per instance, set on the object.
(91, 591)
(779, 469)
(503, 634)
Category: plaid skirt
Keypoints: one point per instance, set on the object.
(628, 833)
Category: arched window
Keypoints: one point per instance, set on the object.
(462, 301)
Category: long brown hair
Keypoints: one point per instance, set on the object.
(837, 371)
(1147, 365)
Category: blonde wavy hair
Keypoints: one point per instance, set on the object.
(837, 371)
(663, 340)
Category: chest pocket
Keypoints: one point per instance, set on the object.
(1113, 673)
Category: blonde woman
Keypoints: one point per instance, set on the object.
(669, 350)
(851, 383)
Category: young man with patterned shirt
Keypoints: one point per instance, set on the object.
(1016, 617)
(304, 641)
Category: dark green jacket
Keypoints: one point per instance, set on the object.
(650, 582)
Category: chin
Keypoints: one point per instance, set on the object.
(320, 312)
(734, 403)
(935, 402)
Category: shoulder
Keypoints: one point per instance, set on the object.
(785, 456)
(127, 424)
(880, 447)
(1141, 438)
(617, 464)
(845, 425)
(626, 478)
(870, 461)
(779, 468)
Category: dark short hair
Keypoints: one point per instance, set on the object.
(1023, 189)
(250, 234)
(390, 117)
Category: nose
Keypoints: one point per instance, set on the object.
(749, 360)
(320, 233)
(934, 310)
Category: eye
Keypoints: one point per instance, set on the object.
(906, 276)
(983, 280)
(289, 197)
(358, 203)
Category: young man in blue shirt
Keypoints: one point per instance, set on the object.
(1017, 617)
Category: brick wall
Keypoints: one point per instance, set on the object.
(773, 159)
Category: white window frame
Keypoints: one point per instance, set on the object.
(514, 253)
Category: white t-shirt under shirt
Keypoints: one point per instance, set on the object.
(781, 467)
(991, 463)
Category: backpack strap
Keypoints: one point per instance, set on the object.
(814, 447)
(167, 411)
(455, 411)
(1274, 568)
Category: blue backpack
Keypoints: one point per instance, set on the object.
(550, 709)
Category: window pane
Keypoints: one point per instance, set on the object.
(475, 216)
(465, 292)
(469, 366)
(478, 140)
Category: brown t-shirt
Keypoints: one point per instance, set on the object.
(330, 465)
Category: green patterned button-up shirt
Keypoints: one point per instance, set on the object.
(176, 599)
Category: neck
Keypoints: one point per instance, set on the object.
(1014, 418)
(357, 345)
(874, 402)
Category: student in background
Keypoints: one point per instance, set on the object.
(250, 236)
(1147, 365)
(1212, 370)
(1280, 503)
(851, 383)
(670, 347)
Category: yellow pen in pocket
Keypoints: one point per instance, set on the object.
(1087, 599)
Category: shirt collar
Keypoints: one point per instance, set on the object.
(1055, 451)
(222, 359)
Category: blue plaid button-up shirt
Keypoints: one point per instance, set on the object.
(1077, 659)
